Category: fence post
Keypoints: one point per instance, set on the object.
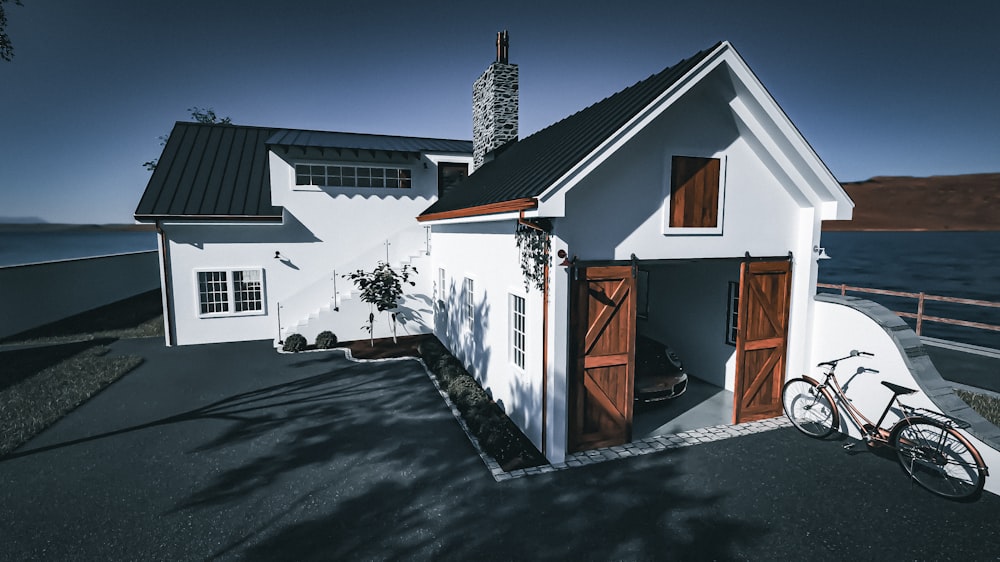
(920, 312)
(843, 289)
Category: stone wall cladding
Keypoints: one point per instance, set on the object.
(494, 110)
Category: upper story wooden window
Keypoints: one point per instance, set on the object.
(450, 174)
(694, 192)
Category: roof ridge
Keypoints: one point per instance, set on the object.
(628, 88)
(529, 166)
(277, 129)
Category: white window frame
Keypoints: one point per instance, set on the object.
(231, 292)
(330, 181)
(667, 179)
(517, 346)
(440, 289)
(732, 312)
(469, 302)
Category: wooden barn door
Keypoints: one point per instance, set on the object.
(761, 339)
(603, 323)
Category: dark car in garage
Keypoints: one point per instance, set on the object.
(659, 372)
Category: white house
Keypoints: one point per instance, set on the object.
(674, 208)
(686, 208)
(257, 226)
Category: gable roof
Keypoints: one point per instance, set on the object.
(210, 171)
(526, 168)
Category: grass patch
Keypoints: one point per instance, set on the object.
(985, 405)
(67, 362)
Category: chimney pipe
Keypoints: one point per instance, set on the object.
(503, 46)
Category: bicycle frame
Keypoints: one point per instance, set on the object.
(872, 431)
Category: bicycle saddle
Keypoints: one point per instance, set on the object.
(896, 389)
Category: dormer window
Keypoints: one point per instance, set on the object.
(324, 175)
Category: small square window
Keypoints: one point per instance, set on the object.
(694, 192)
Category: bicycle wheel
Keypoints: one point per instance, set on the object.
(810, 408)
(938, 458)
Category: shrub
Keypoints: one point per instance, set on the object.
(479, 414)
(465, 392)
(497, 434)
(294, 343)
(326, 339)
(500, 439)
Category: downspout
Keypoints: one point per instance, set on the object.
(545, 333)
(168, 299)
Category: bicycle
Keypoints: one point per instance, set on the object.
(928, 444)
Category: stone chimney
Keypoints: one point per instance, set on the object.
(494, 106)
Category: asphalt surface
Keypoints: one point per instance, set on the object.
(235, 452)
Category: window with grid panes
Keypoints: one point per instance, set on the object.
(230, 292)
(517, 330)
(329, 175)
(470, 307)
(732, 314)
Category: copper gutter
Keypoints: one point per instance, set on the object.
(523, 204)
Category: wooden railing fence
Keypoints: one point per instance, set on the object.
(921, 299)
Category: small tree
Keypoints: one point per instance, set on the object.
(6, 47)
(200, 115)
(382, 288)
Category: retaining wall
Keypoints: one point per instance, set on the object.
(36, 294)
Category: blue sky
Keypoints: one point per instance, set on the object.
(876, 87)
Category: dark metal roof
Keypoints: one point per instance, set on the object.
(359, 141)
(211, 171)
(526, 168)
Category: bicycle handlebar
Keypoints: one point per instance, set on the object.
(854, 353)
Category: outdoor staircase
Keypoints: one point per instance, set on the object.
(333, 302)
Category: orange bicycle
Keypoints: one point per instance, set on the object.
(928, 444)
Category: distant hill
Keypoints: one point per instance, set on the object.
(22, 220)
(965, 202)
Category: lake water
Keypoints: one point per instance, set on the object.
(952, 264)
(18, 248)
(955, 264)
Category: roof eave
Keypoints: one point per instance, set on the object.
(209, 218)
(514, 205)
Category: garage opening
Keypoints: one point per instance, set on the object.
(665, 346)
(688, 309)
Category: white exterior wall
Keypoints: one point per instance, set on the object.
(620, 209)
(487, 253)
(324, 230)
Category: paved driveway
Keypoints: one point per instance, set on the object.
(235, 452)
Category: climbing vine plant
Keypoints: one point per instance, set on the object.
(534, 245)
